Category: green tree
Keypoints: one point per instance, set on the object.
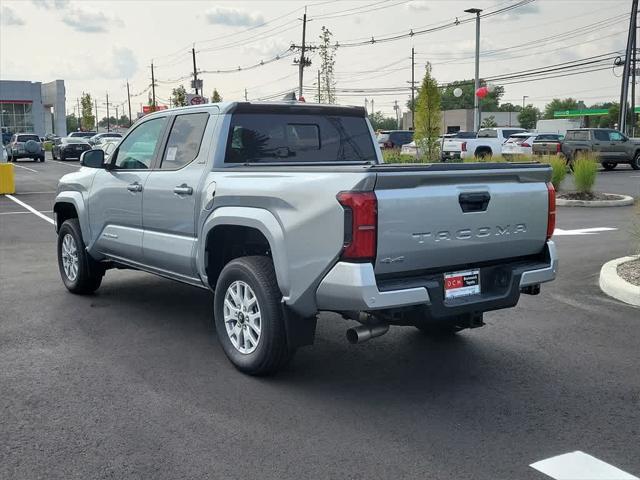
(559, 104)
(489, 122)
(179, 97)
(123, 121)
(216, 97)
(87, 119)
(112, 122)
(72, 123)
(380, 122)
(509, 107)
(327, 93)
(490, 103)
(427, 115)
(529, 117)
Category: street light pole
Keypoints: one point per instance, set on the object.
(524, 97)
(476, 83)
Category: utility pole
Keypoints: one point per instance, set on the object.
(301, 65)
(108, 120)
(397, 109)
(632, 127)
(372, 108)
(195, 70)
(413, 87)
(476, 83)
(79, 114)
(319, 96)
(153, 90)
(129, 102)
(117, 118)
(624, 91)
(245, 94)
(96, 104)
(524, 97)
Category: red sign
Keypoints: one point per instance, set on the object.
(149, 108)
(197, 100)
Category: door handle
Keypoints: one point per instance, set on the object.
(183, 189)
(134, 187)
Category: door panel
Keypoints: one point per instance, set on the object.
(172, 196)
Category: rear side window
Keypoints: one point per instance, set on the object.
(184, 140)
(276, 138)
(601, 135)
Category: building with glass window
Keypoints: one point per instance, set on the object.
(33, 107)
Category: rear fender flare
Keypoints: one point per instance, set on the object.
(258, 218)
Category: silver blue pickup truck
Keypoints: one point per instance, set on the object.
(284, 210)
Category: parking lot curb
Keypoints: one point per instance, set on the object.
(624, 201)
(615, 286)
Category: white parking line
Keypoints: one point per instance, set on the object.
(36, 193)
(26, 168)
(30, 208)
(574, 465)
(583, 231)
(66, 164)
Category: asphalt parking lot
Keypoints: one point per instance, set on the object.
(131, 383)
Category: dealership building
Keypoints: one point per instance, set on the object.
(33, 107)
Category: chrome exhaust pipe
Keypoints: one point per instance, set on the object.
(362, 333)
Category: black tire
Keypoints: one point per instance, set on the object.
(53, 154)
(42, 158)
(635, 163)
(271, 351)
(608, 166)
(62, 157)
(89, 272)
(483, 154)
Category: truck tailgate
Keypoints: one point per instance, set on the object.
(459, 214)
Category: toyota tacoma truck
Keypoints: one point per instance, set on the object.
(284, 210)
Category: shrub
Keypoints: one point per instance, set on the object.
(558, 170)
(47, 146)
(585, 169)
(394, 156)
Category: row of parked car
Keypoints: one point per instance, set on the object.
(609, 146)
(29, 145)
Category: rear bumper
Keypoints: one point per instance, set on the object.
(353, 287)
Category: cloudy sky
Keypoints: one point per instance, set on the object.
(96, 46)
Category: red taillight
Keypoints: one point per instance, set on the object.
(524, 144)
(301, 99)
(388, 144)
(464, 146)
(551, 219)
(558, 148)
(360, 225)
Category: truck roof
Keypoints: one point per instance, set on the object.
(272, 107)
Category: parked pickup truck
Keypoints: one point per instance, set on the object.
(547, 144)
(488, 142)
(286, 209)
(609, 146)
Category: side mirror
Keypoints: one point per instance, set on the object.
(92, 159)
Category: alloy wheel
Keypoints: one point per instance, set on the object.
(70, 257)
(242, 317)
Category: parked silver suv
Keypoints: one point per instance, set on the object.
(25, 145)
(286, 210)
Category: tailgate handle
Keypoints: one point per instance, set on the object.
(474, 202)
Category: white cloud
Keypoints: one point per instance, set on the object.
(269, 47)
(125, 64)
(418, 5)
(51, 4)
(233, 17)
(9, 17)
(89, 21)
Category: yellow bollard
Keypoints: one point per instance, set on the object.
(7, 181)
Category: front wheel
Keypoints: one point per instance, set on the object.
(248, 316)
(608, 166)
(635, 163)
(80, 273)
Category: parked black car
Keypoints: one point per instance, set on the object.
(69, 147)
(394, 138)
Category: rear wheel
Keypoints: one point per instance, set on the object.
(483, 154)
(609, 165)
(248, 316)
(80, 273)
(635, 163)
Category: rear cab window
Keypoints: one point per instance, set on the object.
(287, 136)
(26, 138)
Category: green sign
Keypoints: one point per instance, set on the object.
(587, 112)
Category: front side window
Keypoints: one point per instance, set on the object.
(291, 137)
(184, 140)
(137, 150)
(615, 136)
(601, 135)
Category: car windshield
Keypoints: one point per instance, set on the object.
(26, 138)
(292, 137)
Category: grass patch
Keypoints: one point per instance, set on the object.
(48, 146)
(585, 170)
(394, 156)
